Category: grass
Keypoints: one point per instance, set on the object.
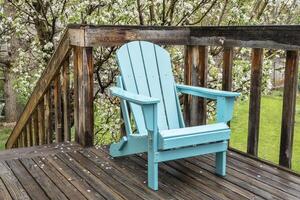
(4, 133)
(270, 128)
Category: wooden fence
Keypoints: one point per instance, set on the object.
(35, 124)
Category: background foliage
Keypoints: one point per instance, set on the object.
(32, 29)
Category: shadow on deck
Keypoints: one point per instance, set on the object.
(67, 171)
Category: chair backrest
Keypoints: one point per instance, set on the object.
(146, 69)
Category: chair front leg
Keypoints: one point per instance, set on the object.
(150, 113)
(152, 164)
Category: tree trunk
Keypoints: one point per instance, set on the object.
(11, 113)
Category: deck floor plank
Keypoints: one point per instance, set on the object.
(135, 172)
(98, 172)
(12, 184)
(124, 177)
(62, 183)
(84, 187)
(28, 182)
(96, 183)
(262, 166)
(68, 171)
(260, 187)
(52, 191)
(4, 193)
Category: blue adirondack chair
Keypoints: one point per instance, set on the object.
(147, 85)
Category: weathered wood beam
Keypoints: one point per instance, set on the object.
(58, 110)
(85, 96)
(25, 139)
(227, 69)
(77, 56)
(187, 81)
(116, 35)
(273, 37)
(199, 71)
(35, 128)
(29, 132)
(41, 121)
(66, 100)
(288, 108)
(254, 104)
(41, 87)
(48, 117)
(270, 37)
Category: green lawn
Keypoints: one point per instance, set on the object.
(270, 127)
(4, 133)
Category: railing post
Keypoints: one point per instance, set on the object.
(48, 117)
(57, 110)
(187, 81)
(66, 100)
(84, 63)
(76, 57)
(196, 65)
(288, 109)
(254, 105)
(227, 69)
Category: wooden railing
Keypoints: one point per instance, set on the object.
(34, 126)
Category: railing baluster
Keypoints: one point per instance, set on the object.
(41, 121)
(29, 132)
(85, 96)
(66, 100)
(227, 68)
(35, 128)
(254, 105)
(21, 140)
(57, 110)
(25, 141)
(288, 109)
(48, 117)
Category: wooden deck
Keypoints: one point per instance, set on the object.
(67, 171)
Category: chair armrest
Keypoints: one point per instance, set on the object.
(133, 98)
(148, 104)
(225, 100)
(205, 92)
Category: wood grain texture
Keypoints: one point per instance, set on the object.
(35, 128)
(187, 81)
(196, 66)
(77, 57)
(41, 121)
(90, 173)
(58, 110)
(66, 100)
(272, 36)
(48, 117)
(199, 78)
(29, 132)
(288, 108)
(255, 98)
(85, 97)
(227, 69)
